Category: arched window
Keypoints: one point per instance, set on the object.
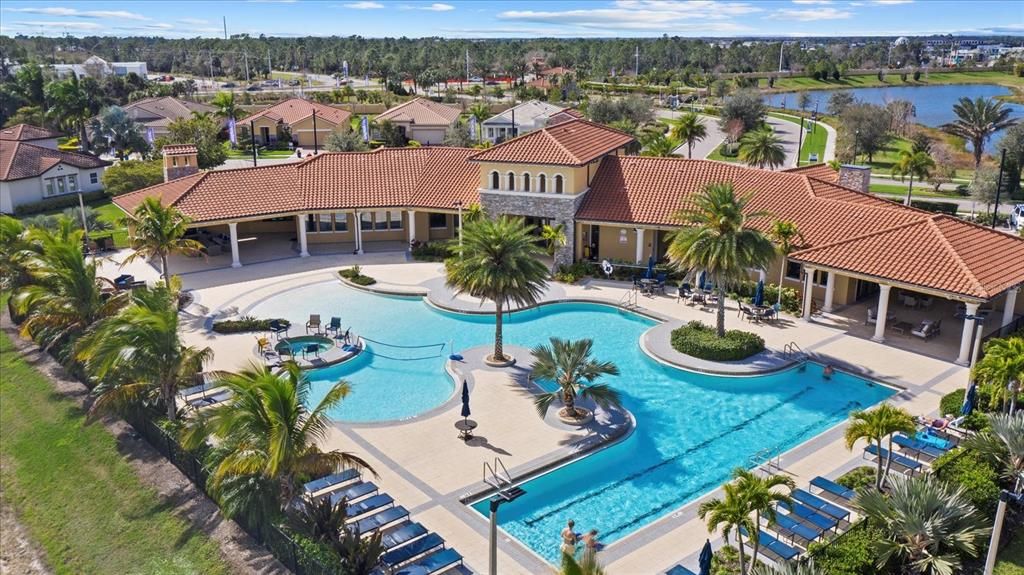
(511, 182)
(495, 181)
(526, 182)
(558, 184)
(542, 183)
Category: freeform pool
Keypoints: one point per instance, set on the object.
(692, 429)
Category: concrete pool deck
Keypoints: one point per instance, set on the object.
(428, 470)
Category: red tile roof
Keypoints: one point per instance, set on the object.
(817, 171)
(573, 143)
(20, 160)
(162, 110)
(27, 133)
(422, 112)
(566, 115)
(294, 110)
(176, 149)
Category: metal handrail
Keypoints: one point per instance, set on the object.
(791, 349)
(494, 479)
(630, 298)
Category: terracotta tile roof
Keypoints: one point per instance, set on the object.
(423, 112)
(574, 143)
(27, 133)
(180, 149)
(294, 110)
(19, 160)
(160, 111)
(566, 115)
(817, 171)
(168, 192)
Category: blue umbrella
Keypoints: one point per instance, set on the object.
(969, 399)
(705, 558)
(465, 399)
(650, 268)
(759, 293)
(702, 280)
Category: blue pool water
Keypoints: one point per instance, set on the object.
(692, 429)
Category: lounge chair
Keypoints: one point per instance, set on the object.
(927, 329)
(748, 313)
(197, 389)
(791, 528)
(403, 534)
(334, 326)
(832, 488)
(820, 505)
(314, 322)
(904, 462)
(773, 547)
(369, 504)
(917, 446)
(277, 328)
(354, 492)
(376, 521)
(412, 550)
(330, 481)
(433, 563)
(809, 516)
(208, 400)
(679, 570)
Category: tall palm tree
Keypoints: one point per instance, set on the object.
(554, 238)
(875, 425)
(116, 132)
(659, 145)
(481, 112)
(978, 119)
(497, 260)
(732, 514)
(689, 128)
(718, 239)
(1001, 371)
(225, 104)
(570, 365)
(157, 231)
(789, 568)
(763, 149)
(918, 164)
(586, 565)
(137, 354)
(68, 105)
(1003, 444)
(268, 431)
(785, 234)
(762, 498)
(929, 525)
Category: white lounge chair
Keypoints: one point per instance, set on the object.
(927, 329)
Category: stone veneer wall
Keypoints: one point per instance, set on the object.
(560, 209)
(855, 177)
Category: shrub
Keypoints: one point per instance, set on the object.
(58, 203)
(573, 272)
(131, 175)
(790, 297)
(857, 478)
(702, 341)
(245, 324)
(354, 274)
(938, 207)
(848, 554)
(431, 251)
(972, 472)
(951, 403)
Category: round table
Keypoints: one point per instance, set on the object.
(465, 427)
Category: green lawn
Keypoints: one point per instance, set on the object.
(1011, 560)
(82, 503)
(919, 192)
(262, 154)
(871, 80)
(814, 136)
(717, 155)
(107, 212)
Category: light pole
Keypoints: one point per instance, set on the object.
(496, 501)
(997, 528)
(459, 206)
(979, 325)
(85, 223)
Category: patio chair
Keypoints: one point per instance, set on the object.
(314, 322)
(433, 563)
(407, 552)
(277, 328)
(311, 349)
(927, 329)
(832, 488)
(748, 313)
(684, 291)
(661, 278)
(335, 325)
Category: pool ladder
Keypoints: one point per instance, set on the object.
(630, 299)
(764, 459)
(791, 349)
(499, 478)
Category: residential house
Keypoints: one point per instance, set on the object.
(423, 120)
(518, 120)
(30, 134)
(155, 114)
(309, 123)
(31, 173)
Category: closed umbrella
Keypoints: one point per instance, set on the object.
(759, 294)
(465, 399)
(650, 268)
(969, 399)
(705, 558)
(702, 280)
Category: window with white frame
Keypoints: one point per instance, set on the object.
(323, 225)
(438, 221)
(341, 221)
(623, 237)
(380, 220)
(395, 220)
(526, 182)
(793, 271)
(94, 178)
(60, 185)
(365, 221)
(72, 183)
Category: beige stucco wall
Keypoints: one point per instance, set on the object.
(302, 131)
(572, 177)
(427, 135)
(29, 190)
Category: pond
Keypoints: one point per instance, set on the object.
(933, 104)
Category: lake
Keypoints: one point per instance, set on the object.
(934, 104)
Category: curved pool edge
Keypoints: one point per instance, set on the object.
(656, 344)
(386, 289)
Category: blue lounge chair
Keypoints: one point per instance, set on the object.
(403, 534)
(433, 563)
(833, 488)
(789, 527)
(923, 448)
(331, 481)
(773, 547)
(903, 461)
(369, 504)
(412, 550)
(354, 492)
(207, 400)
(679, 570)
(819, 504)
(809, 516)
(381, 519)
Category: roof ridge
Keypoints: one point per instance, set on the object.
(860, 237)
(956, 256)
(560, 145)
(140, 191)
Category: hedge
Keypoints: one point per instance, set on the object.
(436, 251)
(951, 403)
(58, 203)
(245, 324)
(970, 471)
(863, 476)
(849, 554)
(701, 341)
(354, 275)
(938, 207)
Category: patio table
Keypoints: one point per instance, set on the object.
(902, 327)
(465, 427)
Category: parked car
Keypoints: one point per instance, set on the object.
(294, 82)
(254, 88)
(1017, 217)
(228, 85)
(167, 78)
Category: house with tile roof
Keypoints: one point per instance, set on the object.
(518, 120)
(309, 123)
(422, 119)
(31, 173)
(155, 114)
(857, 252)
(35, 135)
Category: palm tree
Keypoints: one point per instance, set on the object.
(569, 364)
(587, 565)
(918, 164)
(267, 435)
(689, 128)
(929, 525)
(732, 514)
(659, 145)
(1001, 371)
(762, 499)
(116, 132)
(498, 260)
(785, 235)
(762, 148)
(1003, 444)
(68, 105)
(977, 120)
(719, 240)
(137, 355)
(360, 555)
(157, 231)
(225, 104)
(789, 568)
(875, 425)
(554, 238)
(481, 112)
(320, 520)
(12, 246)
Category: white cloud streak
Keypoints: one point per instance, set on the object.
(73, 12)
(812, 14)
(363, 5)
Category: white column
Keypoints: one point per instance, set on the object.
(808, 292)
(964, 357)
(640, 245)
(412, 227)
(883, 313)
(235, 262)
(300, 223)
(761, 275)
(1011, 301)
(359, 233)
(830, 290)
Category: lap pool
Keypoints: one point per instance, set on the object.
(692, 429)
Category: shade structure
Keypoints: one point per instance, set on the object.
(702, 280)
(705, 558)
(759, 293)
(465, 399)
(970, 398)
(650, 268)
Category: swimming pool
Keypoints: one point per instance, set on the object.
(692, 429)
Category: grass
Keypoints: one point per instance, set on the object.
(79, 499)
(717, 155)
(1011, 560)
(919, 192)
(262, 154)
(107, 212)
(871, 80)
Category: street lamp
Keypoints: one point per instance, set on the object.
(495, 502)
(997, 528)
(458, 205)
(856, 144)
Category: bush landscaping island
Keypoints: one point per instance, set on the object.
(354, 275)
(246, 324)
(701, 341)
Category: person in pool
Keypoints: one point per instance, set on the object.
(590, 540)
(827, 373)
(569, 538)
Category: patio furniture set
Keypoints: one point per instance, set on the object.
(925, 329)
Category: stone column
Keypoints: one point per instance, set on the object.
(808, 292)
(300, 223)
(883, 313)
(640, 245)
(830, 290)
(1011, 301)
(359, 234)
(235, 262)
(964, 357)
(412, 227)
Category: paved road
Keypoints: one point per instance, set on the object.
(964, 205)
(703, 148)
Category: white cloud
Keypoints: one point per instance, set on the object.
(60, 11)
(439, 7)
(812, 1)
(812, 14)
(892, 2)
(363, 5)
(60, 25)
(193, 21)
(645, 15)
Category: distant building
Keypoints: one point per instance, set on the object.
(31, 173)
(155, 114)
(28, 133)
(297, 115)
(422, 120)
(524, 118)
(97, 67)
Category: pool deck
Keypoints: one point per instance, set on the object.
(428, 470)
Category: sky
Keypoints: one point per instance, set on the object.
(524, 18)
